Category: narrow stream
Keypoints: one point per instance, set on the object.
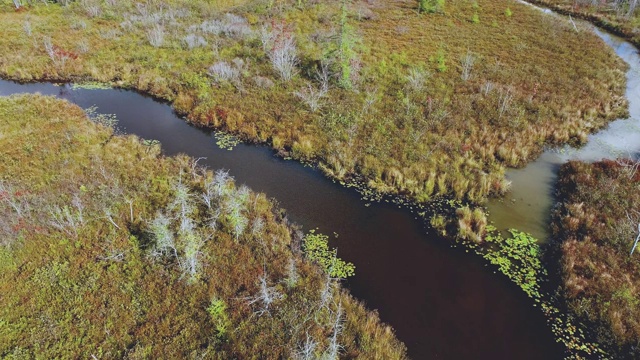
(529, 203)
(443, 303)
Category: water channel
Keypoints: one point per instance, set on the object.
(443, 303)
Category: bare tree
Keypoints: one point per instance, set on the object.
(417, 78)
(8, 196)
(333, 350)
(222, 71)
(467, 62)
(265, 297)
(27, 27)
(506, 97)
(311, 96)
(306, 350)
(633, 4)
(192, 244)
(280, 46)
(292, 273)
(67, 219)
(634, 223)
(155, 35)
(164, 239)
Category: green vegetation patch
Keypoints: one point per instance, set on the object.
(316, 248)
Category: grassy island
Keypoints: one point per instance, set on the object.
(413, 98)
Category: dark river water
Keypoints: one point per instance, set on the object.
(442, 302)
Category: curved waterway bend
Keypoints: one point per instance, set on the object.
(442, 302)
(528, 205)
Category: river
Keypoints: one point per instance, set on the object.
(443, 302)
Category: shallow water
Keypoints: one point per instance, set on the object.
(529, 203)
(443, 303)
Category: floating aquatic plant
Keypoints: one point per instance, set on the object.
(225, 140)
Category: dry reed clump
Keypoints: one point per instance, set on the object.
(596, 225)
(472, 224)
(333, 85)
(127, 253)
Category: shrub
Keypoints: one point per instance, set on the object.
(155, 35)
(282, 51)
(431, 6)
(223, 71)
(193, 41)
(475, 18)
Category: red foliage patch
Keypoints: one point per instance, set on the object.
(221, 113)
(62, 53)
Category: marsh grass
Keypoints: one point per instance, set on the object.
(110, 250)
(595, 226)
(445, 136)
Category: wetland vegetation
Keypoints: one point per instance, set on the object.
(431, 100)
(418, 103)
(621, 17)
(595, 227)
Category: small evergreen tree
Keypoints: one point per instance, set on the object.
(430, 6)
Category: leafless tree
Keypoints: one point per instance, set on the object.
(634, 222)
(164, 239)
(155, 35)
(467, 62)
(506, 96)
(27, 27)
(292, 273)
(67, 219)
(311, 96)
(265, 297)
(306, 350)
(417, 78)
(8, 196)
(280, 46)
(222, 71)
(334, 348)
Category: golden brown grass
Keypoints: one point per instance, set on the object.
(534, 81)
(595, 227)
